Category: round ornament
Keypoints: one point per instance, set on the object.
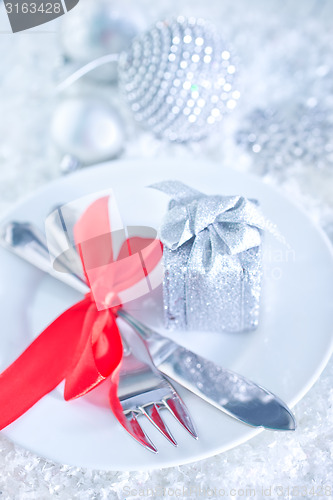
(289, 136)
(178, 79)
(88, 130)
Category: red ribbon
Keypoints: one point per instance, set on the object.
(83, 345)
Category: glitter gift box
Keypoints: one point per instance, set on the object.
(212, 260)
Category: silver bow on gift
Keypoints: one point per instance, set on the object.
(212, 259)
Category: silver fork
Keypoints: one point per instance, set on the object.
(141, 387)
(144, 392)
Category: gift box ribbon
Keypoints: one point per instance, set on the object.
(234, 220)
(83, 345)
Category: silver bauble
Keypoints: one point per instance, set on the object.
(178, 79)
(95, 28)
(88, 129)
(291, 135)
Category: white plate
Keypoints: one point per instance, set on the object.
(286, 354)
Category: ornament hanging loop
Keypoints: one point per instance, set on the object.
(87, 68)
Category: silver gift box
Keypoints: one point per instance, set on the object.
(212, 260)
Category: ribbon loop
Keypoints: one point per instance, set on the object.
(236, 220)
(83, 345)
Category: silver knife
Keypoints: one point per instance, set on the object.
(228, 391)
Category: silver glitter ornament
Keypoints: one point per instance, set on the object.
(88, 130)
(95, 28)
(290, 136)
(178, 79)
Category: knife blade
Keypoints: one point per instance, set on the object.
(225, 389)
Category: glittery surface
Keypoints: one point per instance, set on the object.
(285, 51)
(212, 260)
(289, 137)
(178, 78)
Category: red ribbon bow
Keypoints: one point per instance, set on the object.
(83, 345)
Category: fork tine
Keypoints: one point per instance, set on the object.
(132, 425)
(178, 409)
(152, 413)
